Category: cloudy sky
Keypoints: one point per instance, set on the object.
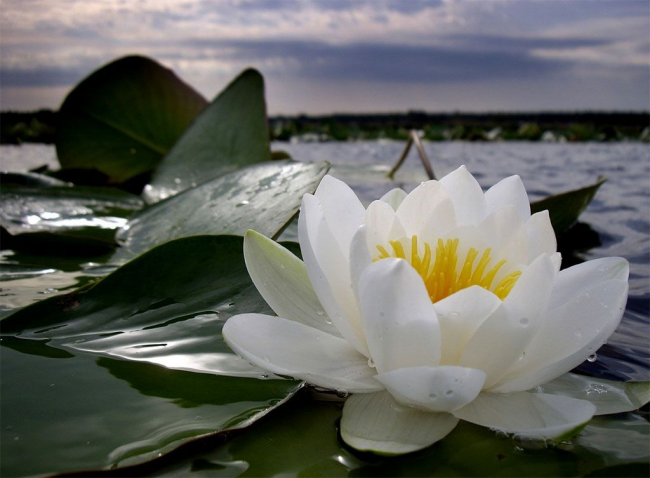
(323, 56)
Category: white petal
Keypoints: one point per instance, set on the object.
(342, 209)
(509, 192)
(506, 234)
(437, 389)
(467, 196)
(360, 256)
(533, 415)
(574, 280)
(394, 198)
(382, 226)
(541, 236)
(399, 319)
(427, 208)
(329, 272)
(503, 337)
(556, 259)
(285, 347)
(460, 315)
(281, 278)
(568, 335)
(608, 396)
(375, 422)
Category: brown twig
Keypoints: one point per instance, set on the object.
(414, 138)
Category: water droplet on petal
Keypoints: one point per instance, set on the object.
(371, 363)
(524, 321)
(592, 358)
(449, 393)
(320, 312)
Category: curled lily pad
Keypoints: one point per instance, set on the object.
(231, 132)
(124, 117)
(263, 197)
(565, 208)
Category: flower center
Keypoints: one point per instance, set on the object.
(443, 274)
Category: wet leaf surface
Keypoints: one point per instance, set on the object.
(271, 448)
(262, 197)
(169, 306)
(80, 412)
(50, 216)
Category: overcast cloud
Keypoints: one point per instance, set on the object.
(325, 56)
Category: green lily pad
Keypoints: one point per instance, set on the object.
(232, 132)
(306, 433)
(63, 215)
(167, 307)
(180, 293)
(565, 208)
(78, 412)
(124, 117)
(262, 197)
(27, 277)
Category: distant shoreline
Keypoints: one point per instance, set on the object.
(40, 126)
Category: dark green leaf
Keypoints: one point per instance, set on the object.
(165, 307)
(263, 197)
(60, 215)
(232, 132)
(124, 117)
(27, 277)
(565, 208)
(300, 439)
(82, 412)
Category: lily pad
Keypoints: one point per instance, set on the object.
(77, 412)
(167, 306)
(263, 197)
(27, 276)
(565, 208)
(469, 450)
(124, 117)
(180, 293)
(76, 216)
(232, 132)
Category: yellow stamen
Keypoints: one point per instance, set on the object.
(442, 275)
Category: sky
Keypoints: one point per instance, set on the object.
(327, 56)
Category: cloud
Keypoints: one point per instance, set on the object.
(381, 63)
(328, 45)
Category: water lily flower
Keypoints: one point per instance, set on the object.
(441, 305)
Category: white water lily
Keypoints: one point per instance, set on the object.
(443, 304)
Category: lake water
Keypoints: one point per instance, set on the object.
(620, 213)
(80, 411)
